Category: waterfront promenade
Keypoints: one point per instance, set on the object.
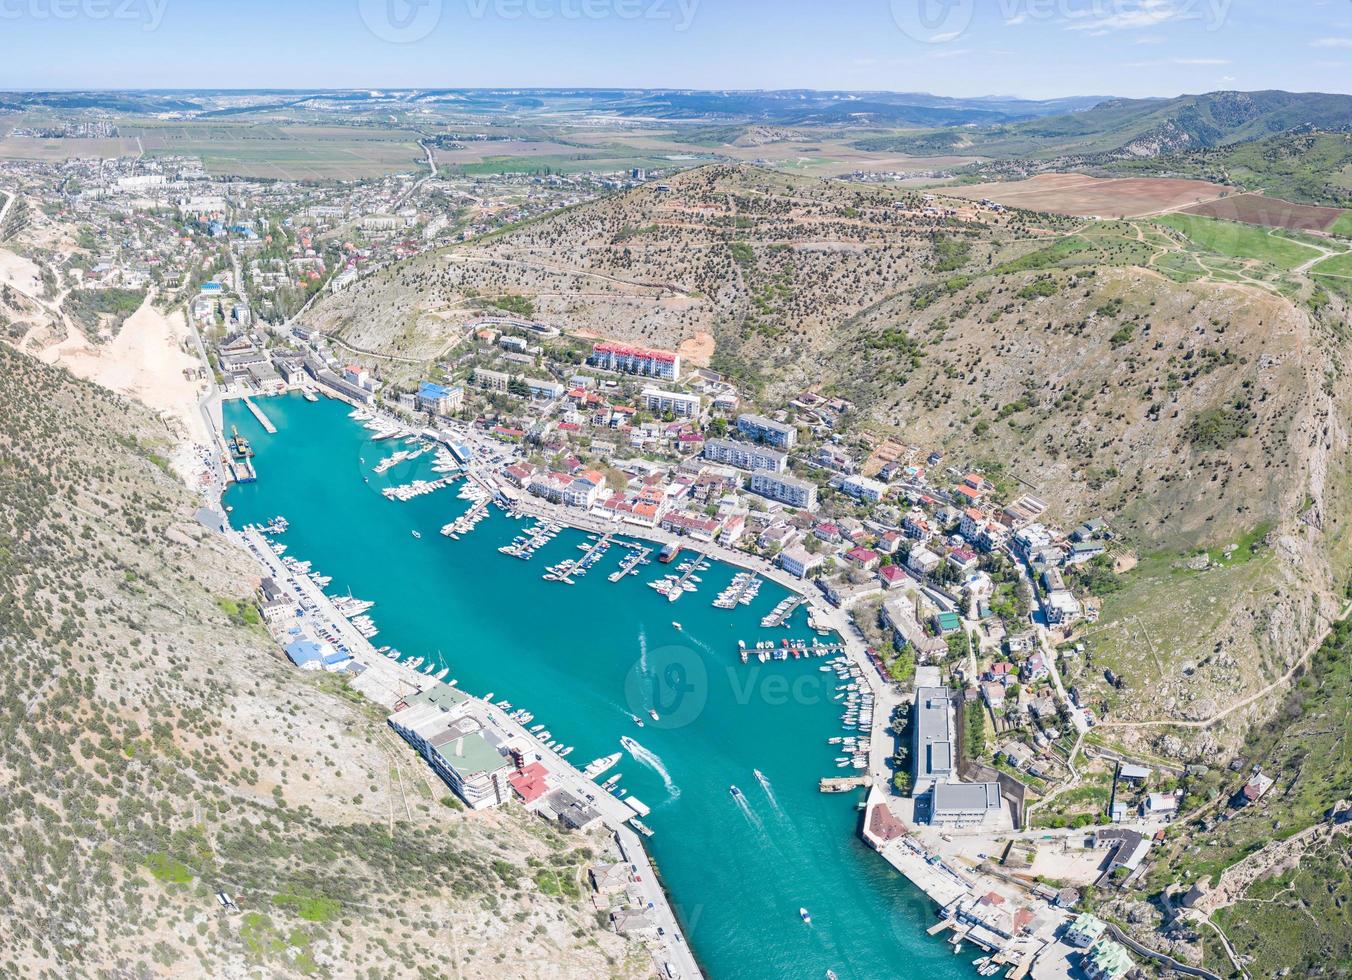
(387, 682)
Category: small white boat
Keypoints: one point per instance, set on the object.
(805, 916)
(676, 625)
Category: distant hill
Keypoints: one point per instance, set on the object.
(1142, 128)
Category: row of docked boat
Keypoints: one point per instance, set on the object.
(779, 616)
(444, 462)
(402, 456)
(858, 699)
(531, 540)
(418, 488)
(673, 586)
(638, 556)
(382, 428)
(766, 650)
(349, 606)
(277, 525)
(562, 571)
(306, 570)
(743, 588)
(471, 518)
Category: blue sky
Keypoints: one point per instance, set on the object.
(1031, 48)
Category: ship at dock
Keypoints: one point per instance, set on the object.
(668, 553)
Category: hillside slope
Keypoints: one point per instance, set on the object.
(155, 749)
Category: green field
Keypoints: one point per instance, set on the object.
(1338, 265)
(1343, 226)
(1240, 241)
(286, 152)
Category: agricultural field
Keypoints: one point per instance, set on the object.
(1256, 209)
(1084, 196)
(1241, 241)
(54, 150)
(287, 152)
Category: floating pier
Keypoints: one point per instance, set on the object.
(843, 784)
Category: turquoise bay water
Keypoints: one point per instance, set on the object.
(584, 658)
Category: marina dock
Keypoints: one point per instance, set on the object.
(263, 420)
(843, 784)
(781, 615)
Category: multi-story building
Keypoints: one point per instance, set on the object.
(440, 399)
(768, 431)
(470, 759)
(863, 488)
(637, 360)
(798, 561)
(785, 489)
(492, 380)
(677, 403)
(744, 455)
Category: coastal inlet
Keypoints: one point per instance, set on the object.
(591, 661)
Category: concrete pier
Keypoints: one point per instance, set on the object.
(263, 420)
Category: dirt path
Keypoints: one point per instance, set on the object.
(1282, 681)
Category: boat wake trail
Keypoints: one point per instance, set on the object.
(654, 762)
(749, 813)
(769, 792)
(642, 652)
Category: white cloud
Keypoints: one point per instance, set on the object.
(1161, 62)
(1332, 42)
(1133, 15)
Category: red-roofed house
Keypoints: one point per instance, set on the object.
(530, 783)
(865, 558)
(892, 576)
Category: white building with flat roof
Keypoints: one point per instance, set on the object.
(678, 403)
(745, 455)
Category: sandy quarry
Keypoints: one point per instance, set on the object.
(145, 361)
(20, 273)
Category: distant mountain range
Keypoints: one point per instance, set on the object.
(786, 107)
(1139, 128)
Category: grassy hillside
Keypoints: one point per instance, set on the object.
(154, 750)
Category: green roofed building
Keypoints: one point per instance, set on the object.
(1085, 931)
(469, 758)
(947, 622)
(1107, 960)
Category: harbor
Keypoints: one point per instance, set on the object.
(700, 721)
